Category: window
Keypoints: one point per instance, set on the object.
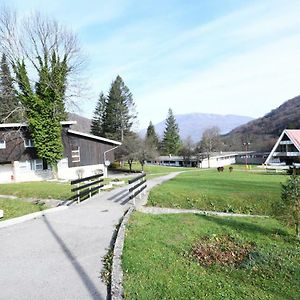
(76, 155)
(36, 165)
(2, 144)
(28, 143)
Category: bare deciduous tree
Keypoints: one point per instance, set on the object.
(37, 41)
(210, 141)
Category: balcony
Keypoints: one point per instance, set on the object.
(286, 154)
(286, 143)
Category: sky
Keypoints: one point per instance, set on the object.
(208, 56)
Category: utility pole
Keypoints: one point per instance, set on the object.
(246, 144)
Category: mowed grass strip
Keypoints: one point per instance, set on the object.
(239, 191)
(15, 208)
(157, 262)
(37, 190)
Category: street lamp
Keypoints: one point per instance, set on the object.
(246, 144)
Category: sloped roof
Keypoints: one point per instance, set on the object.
(294, 135)
(94, 137)
(17, 125)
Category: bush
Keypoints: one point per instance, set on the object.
(288, 207)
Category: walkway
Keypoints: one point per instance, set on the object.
(59, 256)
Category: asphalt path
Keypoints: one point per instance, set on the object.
(59, 255)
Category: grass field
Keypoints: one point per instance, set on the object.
(239, 191)
(157, 259)
(15, 208)
(37, 190)
(155, 170)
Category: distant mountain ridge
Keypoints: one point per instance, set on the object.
(263, 132)
(83, 124)
(194, 124)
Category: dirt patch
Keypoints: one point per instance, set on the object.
(221, 250)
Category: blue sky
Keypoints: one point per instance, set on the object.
(224, 57)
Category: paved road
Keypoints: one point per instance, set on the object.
(58, 256)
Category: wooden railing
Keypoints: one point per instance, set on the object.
(86, 186)
(137, 185)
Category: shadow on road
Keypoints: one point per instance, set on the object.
(91, 288)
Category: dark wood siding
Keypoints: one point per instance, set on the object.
(15, 148)
(91, 151)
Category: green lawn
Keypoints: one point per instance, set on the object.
(156, 170)
(38, 190)
(15, 208)
(239, 191)
(157, 259)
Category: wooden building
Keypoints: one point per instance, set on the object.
(84, 154)
(286, 151)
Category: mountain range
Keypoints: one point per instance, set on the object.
(194, 124)
(261, 133)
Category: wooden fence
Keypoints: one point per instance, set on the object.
(86, 186)
(137, 185)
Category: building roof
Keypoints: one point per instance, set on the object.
(94, 137)
(294, 135)
(16, 125)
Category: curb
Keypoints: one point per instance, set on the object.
(117, 292)
(32, 216)
(164, 210)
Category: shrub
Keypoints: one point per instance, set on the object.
(288, 206)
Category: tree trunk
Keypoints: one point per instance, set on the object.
(130, 165)
(297, 230)
(54, 171)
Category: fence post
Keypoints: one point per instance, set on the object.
(78, 196)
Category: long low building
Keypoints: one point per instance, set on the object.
(213, 160)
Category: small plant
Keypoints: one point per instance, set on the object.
(230, 169)
(222, 250)
(107, 266)
(79, 173)
(288, 206)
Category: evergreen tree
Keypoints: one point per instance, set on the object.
(171, 140)
(9, 107)
(98, 118)
(151, 136)
(119, 111)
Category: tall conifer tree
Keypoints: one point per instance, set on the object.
(151, 136)
(171, 140)
(119, 112)
(98, 118)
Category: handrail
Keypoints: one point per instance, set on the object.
(86, 188)
(130, 181)
(86, 178)
(137, 188)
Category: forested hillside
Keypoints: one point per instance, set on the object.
(263, 132)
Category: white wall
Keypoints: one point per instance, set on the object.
(64, 172)
(6, 171)
(216, 162)
(23, 173)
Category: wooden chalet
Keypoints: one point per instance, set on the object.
(84, 154)
(286, 151)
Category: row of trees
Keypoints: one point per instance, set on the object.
(115, 115)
